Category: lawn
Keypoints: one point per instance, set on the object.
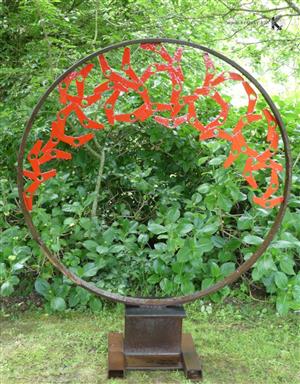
(237, 343)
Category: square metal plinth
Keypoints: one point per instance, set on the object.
(152, 331)
(153, 340)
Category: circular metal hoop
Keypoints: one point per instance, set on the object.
(170, 300)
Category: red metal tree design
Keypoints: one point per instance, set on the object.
(42, 153)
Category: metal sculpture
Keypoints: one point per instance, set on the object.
(177, 348)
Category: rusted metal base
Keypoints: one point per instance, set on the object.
(153, 340)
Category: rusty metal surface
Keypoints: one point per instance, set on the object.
(153, 340)
(187, 360)
(116, 362)
(191, 362)
(153, 362)
(153, 331)
(158, 311)
(172, 300)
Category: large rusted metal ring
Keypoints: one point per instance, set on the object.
(170, 300)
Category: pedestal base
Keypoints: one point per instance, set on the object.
(119, 363)
(153, 340)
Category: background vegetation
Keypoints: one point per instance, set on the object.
(149, 233)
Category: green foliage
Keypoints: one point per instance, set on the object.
(170, 222)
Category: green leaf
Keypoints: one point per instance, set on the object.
(237, 195)
(159, 266)
(291, 238)
(215, 270)
(117, 248)
(187, 287)
(143, 238)
(6, 289)
(227, 268)
(58, 304)
(73, 299)
(184, 254)
(196, 198)
(17, 267)
(224, 256)
(153, 279)
(224, 203)
(160, 247)
(90, 245)
(166, 286)
(172, 215)
(69, 221)
(14, 280)
(210, 228)
(282, 305)
(42, 287)
(110, 234)
(85, 223)
(218, 241)
(205, 244)
(283, 244)
(287, 265)
(245, 222)
(84, 295)
(185, 228)
(177, 267)
(210, 201)
(253, 240)
(95, 304)
(202, 160)
(206, 283)
(296, 294)
(281, 280)
(90, 269)
(102, 250)
(2, 270)
(101, 262)
(263, 267)
(22, 250)
(217, 160)
(156, 228)
(233, 244)
(204, 188)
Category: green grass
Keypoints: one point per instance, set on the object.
(241, 344)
